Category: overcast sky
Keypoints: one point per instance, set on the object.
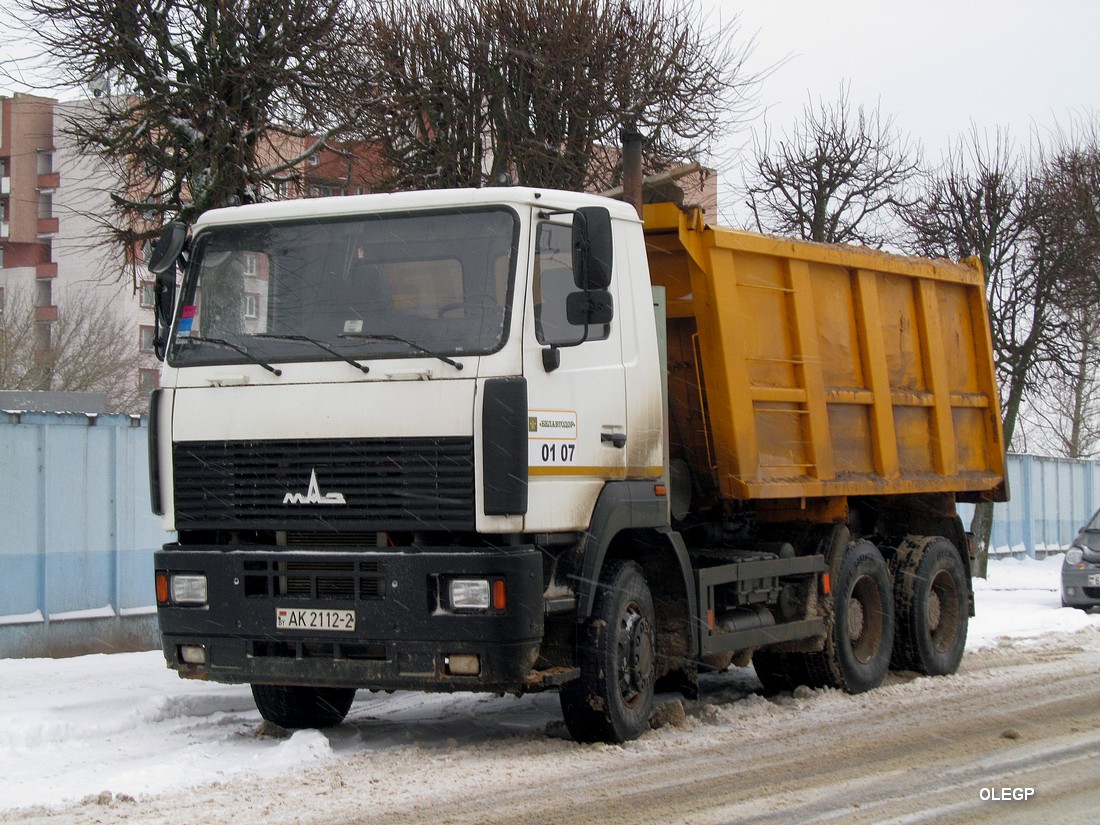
(938, 67)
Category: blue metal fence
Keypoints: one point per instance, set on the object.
(1051, 498)
(76, 544)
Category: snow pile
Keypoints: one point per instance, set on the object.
(73, 728)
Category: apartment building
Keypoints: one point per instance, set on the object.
(51, 246)
(28, 183)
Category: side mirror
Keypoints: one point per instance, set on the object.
(164, 300)
(590, 308)
(592, 247)
(168, 247)
(162, 263)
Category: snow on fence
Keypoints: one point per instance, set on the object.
(77, 536)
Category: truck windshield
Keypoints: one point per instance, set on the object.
(377, 286)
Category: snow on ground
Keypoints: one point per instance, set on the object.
(73, 728)
(1020, 599)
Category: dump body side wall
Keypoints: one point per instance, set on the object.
(806, 370)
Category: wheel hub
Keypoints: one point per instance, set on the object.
(635, 654)
(935, 611)
(855, 619)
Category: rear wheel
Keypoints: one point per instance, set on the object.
(933, 609)
(860, 630)
(617, 651)
(297, 706)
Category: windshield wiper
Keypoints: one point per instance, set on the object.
(316, 343)
(221, 342)
(367, 336)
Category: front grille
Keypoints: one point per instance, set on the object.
(315, 579)
(1092, 592)
(325, 486)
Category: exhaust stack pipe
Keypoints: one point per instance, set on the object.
(632, 167)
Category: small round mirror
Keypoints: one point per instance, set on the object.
(168, 247)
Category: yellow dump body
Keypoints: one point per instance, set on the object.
(802, 370)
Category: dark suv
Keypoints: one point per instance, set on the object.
(1081, 568)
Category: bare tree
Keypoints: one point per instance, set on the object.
(429, 116)
(541, 89)
(836, 177)
(1064, 241)
(1065, 419)
(200, 103)
(90, 349)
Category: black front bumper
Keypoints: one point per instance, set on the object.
(405, 634)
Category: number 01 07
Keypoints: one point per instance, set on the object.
(558, 452)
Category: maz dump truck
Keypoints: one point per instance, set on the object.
(512, 440)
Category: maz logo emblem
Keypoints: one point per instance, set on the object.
(313, 494)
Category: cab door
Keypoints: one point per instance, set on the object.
(576, 389)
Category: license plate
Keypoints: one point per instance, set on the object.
(307, 618)
(1094, 580)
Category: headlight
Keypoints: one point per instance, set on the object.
(188, 588)
(1074, 556)
(470, 594)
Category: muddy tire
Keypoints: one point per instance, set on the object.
(932, 605)
(779, 672)
(617, 653)
(295, 706)
(859, 632)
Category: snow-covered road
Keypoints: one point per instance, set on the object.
(121, 739)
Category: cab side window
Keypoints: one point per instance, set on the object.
(553, 283)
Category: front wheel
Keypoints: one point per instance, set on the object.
(612, 699)
(297, 706)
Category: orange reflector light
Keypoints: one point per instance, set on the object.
(826, 584)
(500, 597)
(660, 490)
(162, 588)
(710, 619)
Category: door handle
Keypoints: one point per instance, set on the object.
(614, 439)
